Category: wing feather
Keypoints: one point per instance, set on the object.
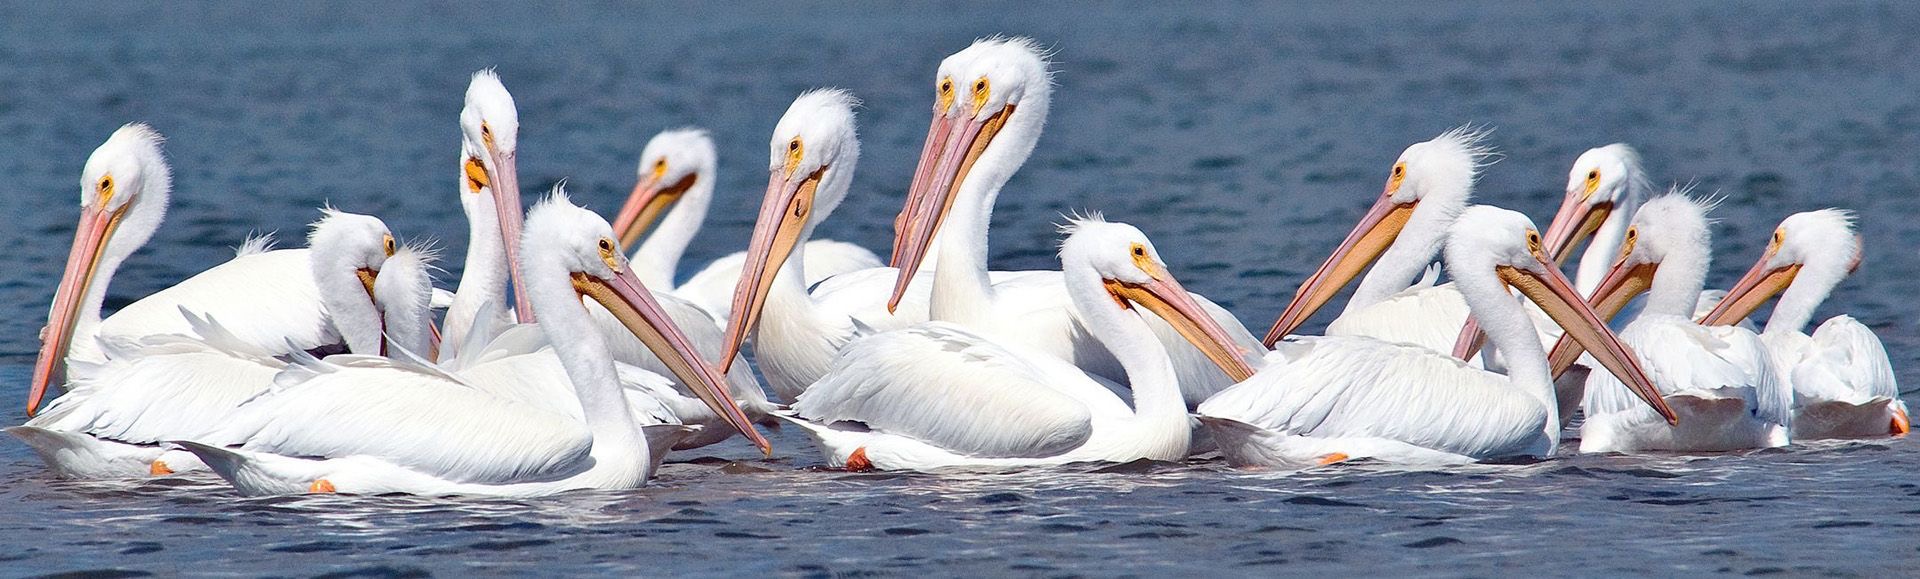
(948, 387)
(419, 420)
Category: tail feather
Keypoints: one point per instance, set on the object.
(76, 455)
(660, 439)
(254, 473)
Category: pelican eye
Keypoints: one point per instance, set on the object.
(660, 168)
(980, 92)
(1533, 240)
(389, 245)
(1139, 251)
(1779, 237)
(486, 135)
(606, 245)
(1399, 174)
(105, 189)
(795, 151)
(1633, 235)
(1593, 181)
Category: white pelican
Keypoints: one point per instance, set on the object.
(156, 388)
(1842, 382)
(936, 395)
(1404, 231)
(991, 101)
(1719, 380)
(489, 128)
(1605, 188)
(373, 425)
(490, 197)
(1331, 398)
(676, 179)
(267, 298)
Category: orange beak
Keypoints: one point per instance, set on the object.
(1556, 296)
(1371, 237)
(631, 303)
(938, 183)
(784, 216)
(89, 242)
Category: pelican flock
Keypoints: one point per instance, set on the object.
(574, 353)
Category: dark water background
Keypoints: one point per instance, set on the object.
(1244, 139)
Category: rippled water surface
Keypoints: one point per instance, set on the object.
(1245, 140)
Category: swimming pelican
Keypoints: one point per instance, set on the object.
(1404, 231)
(374, 425)
(1720, 380)
(155, 388)
(1323, 399)
(1605, 188)
(490, 197)
(676, 186)
(991, 100)
(267, 299)
(1843, 385)
(489, 128)
(936, 395)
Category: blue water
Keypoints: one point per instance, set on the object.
(1244, 139)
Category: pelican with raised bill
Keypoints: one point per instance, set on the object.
(990, 103)
(937, 396)
(1719, 380)
(490, 197)
(1328, 399)
(116, 413)
(268, 300)
(1843, 385)
(376, 425)
(675, 189)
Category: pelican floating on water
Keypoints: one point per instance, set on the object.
(267, 298)
(375, 425)
(937, 395)
(490, 196)
(1719, 380)
(990, 103)
(1401, 235)
(1843, 385)
(155, 388)
(675, 188)
(1331, 398)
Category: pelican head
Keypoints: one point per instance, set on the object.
(673, 162)
(996, 87)
(1602, 180)
(1820, 245)
(1129, 272)
(810, 162)
(489, 135)
(1671, 228)
(1488, 240)
(123, 197)
(571, 254)
(347, 252)
(404, 296)
(1431, 182)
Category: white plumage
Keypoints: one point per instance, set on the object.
(1842, 382)
(1720, 380)
(1333, 398)
(676, 182)
(385, 425)
(936, 395)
